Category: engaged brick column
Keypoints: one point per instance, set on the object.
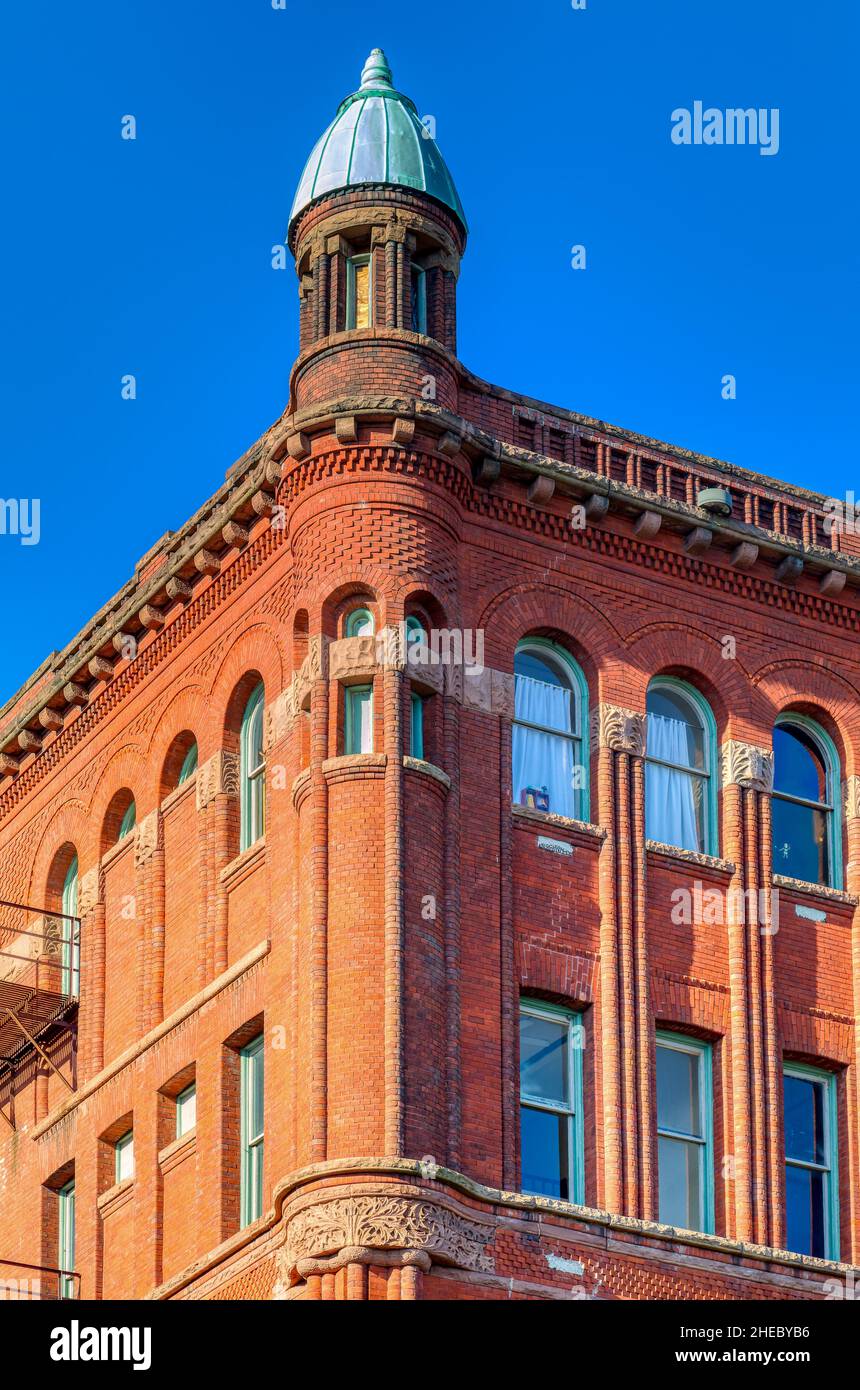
(318, 953)
(217, 787)
(618, 735)
(149, 866)
(392, 690)
(91, 909)
(852, 883)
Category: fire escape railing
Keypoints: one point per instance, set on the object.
(22, 1283)
(40, 965)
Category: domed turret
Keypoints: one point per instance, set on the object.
(377, 138)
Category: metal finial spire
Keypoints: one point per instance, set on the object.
(377, 72)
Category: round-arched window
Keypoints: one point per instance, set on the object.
(360, 623)
(680, 791)
(550, 695)
(805, 771)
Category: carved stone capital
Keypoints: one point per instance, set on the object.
(622, 730)
(851, 797)
(747, 765)
(277, 718)
(220, 775)
(368, 1227)
(90, 890)
(491, 692)
(148, 838)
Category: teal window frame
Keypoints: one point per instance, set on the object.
(123, 1146)
(831, 808)
(680, 1042)
(70, 961)
(252, 772)
(579, 738)
(352, 262)
(252, 1110)
(831, 1170)
(419, 310)
(189, 764)
(574, 1110)
(354, 698)
(184, 1103)
(712, 763)
(416, 725)
(66, 1239)
(358, 618)
(128, 821)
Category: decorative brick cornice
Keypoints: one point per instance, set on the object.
(220, 775)
(622, 730)
(746, 765)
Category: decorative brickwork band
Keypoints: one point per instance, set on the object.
(746, 765)
(220, 775)
(622, 730)
(357, 1229)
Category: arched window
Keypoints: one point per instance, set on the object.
(359, 623)
(252, 771)
(419, 298)
(550, 714)
(806, 836)
(680, 781)
(416, 653)
(128, 821)
(71, 961)
(189, 765)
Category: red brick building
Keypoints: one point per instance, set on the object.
(434, 874)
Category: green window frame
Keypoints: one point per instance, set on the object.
(353, 313)
(553, 1123)
(252, 1107)
(128, 821)
(419, 298)
(829, 808)
(694, 1143)
(186, 1110)
(825, 1169)
(70, 960)
(359, 623)
(708, 776)
(66, 1239)
(124, 1157)
(189, 765)
(358, 719)
(416, 726)
(252, 772)
(558, 658)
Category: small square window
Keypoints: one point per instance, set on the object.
(124, 1150)
(186, 1111)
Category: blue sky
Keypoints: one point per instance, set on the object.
(153, 257)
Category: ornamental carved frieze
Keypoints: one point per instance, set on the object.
(217, 777)
(148, 838)
(491, 692)
(369, 1224)
(851, 798)
(278, 717)
(352, 657)
(746, 765)
(314, 668)
(90, 890)
(622, 730)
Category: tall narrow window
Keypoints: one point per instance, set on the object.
(685, 1160)
(416, 729)
(66, 1244)
(124, 1157)
(550, 697)
(811, 1185)
(359, 289)
(252, 772)
(251, 1108)
(128, 821)
(806, 833)
(358, 719)
(70, 969)
(186, 1110)
(359, 623)
(419, 299)
(189, 765)
(551, 1133)
(680, 789)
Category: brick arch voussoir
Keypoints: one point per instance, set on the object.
(67, 826)
(127, 768)
(337, 584)
(825, 695)
(740, 710)
(516, 611)
(259, 648)
(187, 711)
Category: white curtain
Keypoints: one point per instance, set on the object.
(670, 795)
(543, 760)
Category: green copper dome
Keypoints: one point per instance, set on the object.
(377, 137)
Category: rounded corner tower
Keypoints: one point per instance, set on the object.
(378, 231)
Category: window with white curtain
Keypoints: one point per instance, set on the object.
(549, 715)
(679, 791)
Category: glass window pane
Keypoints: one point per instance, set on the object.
(805, 1203)
(125, 1158)
(362, 294)
(673, 718)
(680, 1175)
(804, 1120)
(799, 768)
(545, 1153)
(543, 694)
(544, 769)
(544, 1059)
(417, 731)
(800, 841)
(674, 804)
(186, 1111)
(359, 720)
(678, 1098)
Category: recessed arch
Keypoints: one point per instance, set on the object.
(805, 807)
(681, 767)
(549, 744)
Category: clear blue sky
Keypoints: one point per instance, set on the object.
(153, 257)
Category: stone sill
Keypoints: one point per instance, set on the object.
(816, 890)
(244, 864)
(690, 857)
(172, 1155)
(115, 1198)
(427, 770)
(360, 765)
(554, 822)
